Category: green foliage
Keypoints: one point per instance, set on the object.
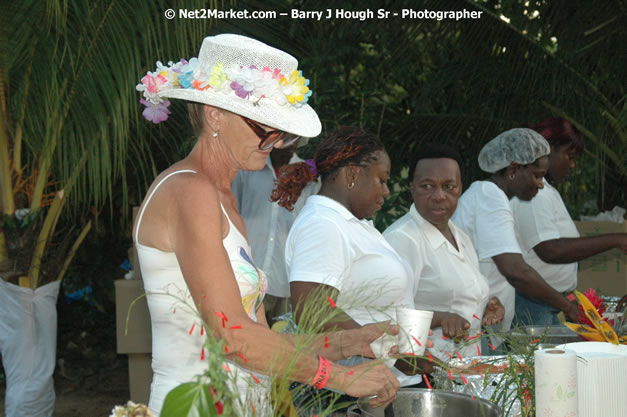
(463, 82)
(68, 113)
(12, 224)
(69, 71)
(192, 399)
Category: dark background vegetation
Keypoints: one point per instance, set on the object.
(409, 80)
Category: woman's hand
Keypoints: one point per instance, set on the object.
(494, 312)
(414, 366)
(372, 378)
(410, 365)
(357, 341)
(453, 325)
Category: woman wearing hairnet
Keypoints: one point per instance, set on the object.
(547, 235)
(517, 160)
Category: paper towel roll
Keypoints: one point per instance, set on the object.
(556, 383)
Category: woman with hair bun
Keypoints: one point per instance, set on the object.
(333, 250)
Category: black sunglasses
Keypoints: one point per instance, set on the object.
(268, 138)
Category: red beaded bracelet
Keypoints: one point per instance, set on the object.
(322, 376)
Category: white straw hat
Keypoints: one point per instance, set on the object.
(238, 74)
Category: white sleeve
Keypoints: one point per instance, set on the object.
(494, 226)
(535, 221)
(317, 251)
(409, 250)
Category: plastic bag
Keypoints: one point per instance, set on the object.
(28, 344)
(617, 215)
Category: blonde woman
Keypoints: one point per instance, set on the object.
(247, 98)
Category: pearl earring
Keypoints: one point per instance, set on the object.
(215, 134)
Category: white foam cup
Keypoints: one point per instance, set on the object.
(415, 325)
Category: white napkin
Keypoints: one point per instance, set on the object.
(381, 348)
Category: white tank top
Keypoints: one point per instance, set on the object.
(177, 335)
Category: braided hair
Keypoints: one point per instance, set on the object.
(345, 146)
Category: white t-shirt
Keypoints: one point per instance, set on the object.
(448, 280)
(267, 223)
(484, 214)
(328, 245)
(541, 219)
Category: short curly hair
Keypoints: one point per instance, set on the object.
(433, 151)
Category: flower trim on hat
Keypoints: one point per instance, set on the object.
(248, 83)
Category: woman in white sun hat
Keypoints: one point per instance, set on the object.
(245, 98)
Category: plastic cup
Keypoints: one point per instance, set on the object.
(415, 325)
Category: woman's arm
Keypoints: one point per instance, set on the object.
(314, 297)
(335, 345)
(342, 344)
(526, 280)
(196, 226)
(568, 250)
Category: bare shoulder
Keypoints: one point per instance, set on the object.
(185, 199)
(193, 196)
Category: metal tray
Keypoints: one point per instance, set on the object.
(477, 384)
(550, 335)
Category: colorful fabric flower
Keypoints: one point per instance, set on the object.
(239, 90)
(267, 87)
(218, 78)
(248, 83)
(151, 85)
(296, 88)
(131, 409)
(246, 79)
(155, 113)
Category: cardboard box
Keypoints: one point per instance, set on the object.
(136, 339)
(133, 260)
(607, 271)
(139, 376)
(132, 251)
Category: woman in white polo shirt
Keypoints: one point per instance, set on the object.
(517, 160)
(442, 257)
(547, 235)
(332, 247)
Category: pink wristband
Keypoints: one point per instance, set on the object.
(322, 376)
